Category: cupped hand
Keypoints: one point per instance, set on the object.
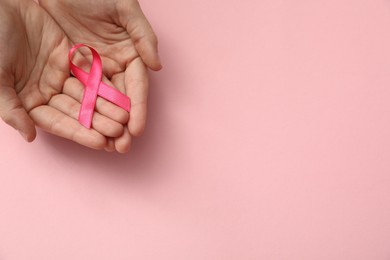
(35, 85)
(121, 34)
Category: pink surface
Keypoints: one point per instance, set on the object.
(268, 138)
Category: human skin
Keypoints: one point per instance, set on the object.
(121, 34)
(36, 88)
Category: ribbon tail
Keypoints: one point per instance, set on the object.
(105, 91)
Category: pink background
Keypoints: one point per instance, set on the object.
(268, 138)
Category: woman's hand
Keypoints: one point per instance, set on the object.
(35, 85)
(119, 31)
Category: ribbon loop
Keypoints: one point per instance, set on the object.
(94, 87)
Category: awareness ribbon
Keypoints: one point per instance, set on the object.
(94, 87)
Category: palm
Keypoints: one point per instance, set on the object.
(31, 58)
(43, 77)
(112, 42)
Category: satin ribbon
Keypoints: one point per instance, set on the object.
(94, 87)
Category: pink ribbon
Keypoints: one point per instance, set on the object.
(94, 87)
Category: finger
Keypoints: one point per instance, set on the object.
(100, 123)
(142, 35)
(123, 143)
(14, 114)
(110, 147)
(119, 81)
(74, 88)
(57, 123)
(136, 82)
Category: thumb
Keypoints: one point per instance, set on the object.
(13, 113)
(142, 35)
